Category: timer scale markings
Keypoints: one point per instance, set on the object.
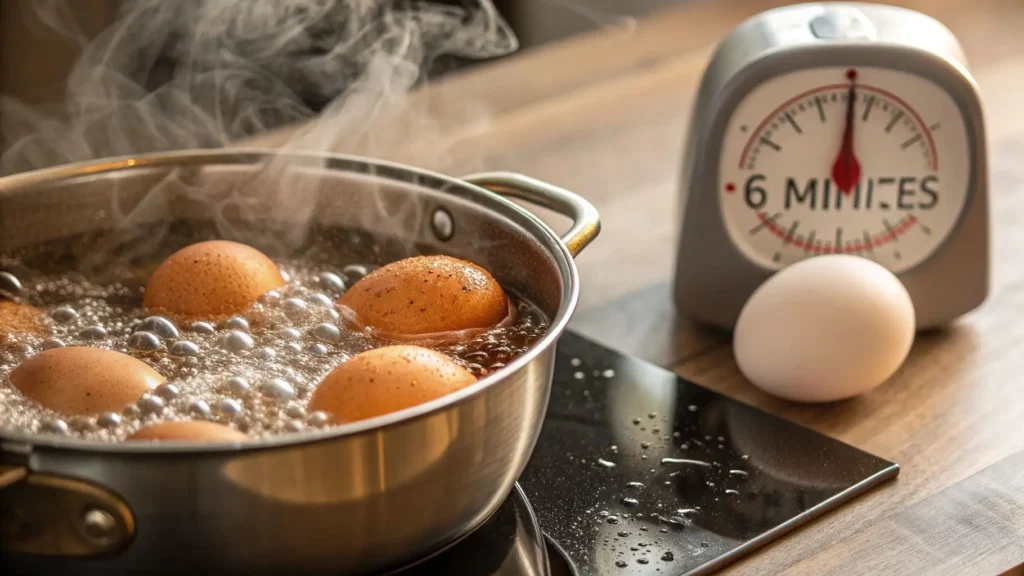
(814, 96)
(891, 234)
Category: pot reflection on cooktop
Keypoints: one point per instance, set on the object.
(638, 471)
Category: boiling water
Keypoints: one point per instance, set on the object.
(254, 372)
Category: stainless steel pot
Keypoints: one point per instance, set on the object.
(358, 498)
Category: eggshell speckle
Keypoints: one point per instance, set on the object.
(210, 280)
(84, 381)
(189, 431)
(825, 329)
(19, 319)
(386, 380)
(428, 294)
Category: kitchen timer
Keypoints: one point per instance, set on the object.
(835, 128)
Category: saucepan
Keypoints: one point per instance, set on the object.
(364, 497)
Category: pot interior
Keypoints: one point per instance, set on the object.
(129, 215)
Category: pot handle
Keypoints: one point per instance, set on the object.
(586, 223)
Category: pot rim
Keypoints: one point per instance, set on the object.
(570, 295)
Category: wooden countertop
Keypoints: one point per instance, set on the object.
(605, 115)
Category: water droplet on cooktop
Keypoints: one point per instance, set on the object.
(732, 492)
(578, 375)
(642, 560)
(636, 421)
(685, 462)
(668, 557)
(630, 502)
(609, 373)
(602, 513)
(623, 534)
(645, 445)
(652, 415)
(613, 520)
(575, 362)
(704, 544)
(621, 563)
(635, 485)
(686, 512)
(692, 407)
(605, 463)
(739, 473)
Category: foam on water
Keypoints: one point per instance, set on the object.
(255, 373)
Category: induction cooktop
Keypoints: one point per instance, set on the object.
(640, 472)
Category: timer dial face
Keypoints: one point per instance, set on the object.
(866, 161)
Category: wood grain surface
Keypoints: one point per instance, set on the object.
(605, 115)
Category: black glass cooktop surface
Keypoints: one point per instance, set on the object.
(638, 471)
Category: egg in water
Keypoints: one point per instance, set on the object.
(188, 431)
(18, 320)
(420, 297)
(385, 380)
(210, 280)
(83, 381)
(824, 329)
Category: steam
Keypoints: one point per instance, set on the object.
(209, 73)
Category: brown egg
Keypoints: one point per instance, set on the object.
(19, 319)
(427, 294)
(84, 381)
(210, 280)
(385, 380)
(189, 431)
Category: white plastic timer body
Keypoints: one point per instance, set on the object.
(836, 128)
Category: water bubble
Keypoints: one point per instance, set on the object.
(144, 341)
(355, 272)
(318, 350)
(237, 386)
(82, 424)
(96, 332)
(294, 348)
(199, 409)
(318, 419)
(270, 297)
(605, 463)
(109, 420)
(235, 341)
(294, 426)
(51, 343)
(184, 348)
(54, 426)
(167, 391)
(131, 411)
(289, 334)
(151, 404)
(294, 307)
(331, 282)
(10, 283)
(575, 362)
(295, 411)
(609, 373)
(612, 520)
(327, 332)
(266, 353)
(277, 389)
(160, 326)
(321, 300)
(63, 314)
(202, 328)
(578, 375)
(237, 323)
(630, 502)
(227, 407)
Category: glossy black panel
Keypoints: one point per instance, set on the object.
(638, 471)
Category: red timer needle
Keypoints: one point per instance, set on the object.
(846, 169)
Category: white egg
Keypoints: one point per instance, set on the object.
(825, 329)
